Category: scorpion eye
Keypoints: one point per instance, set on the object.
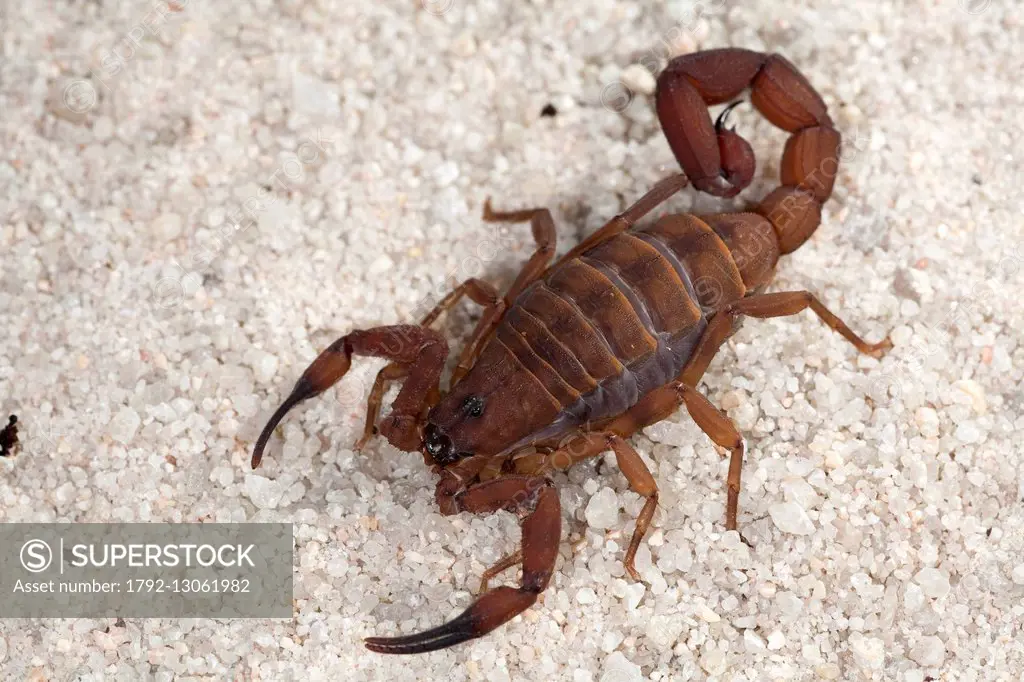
(473, 406)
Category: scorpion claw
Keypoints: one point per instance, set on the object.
(491, 610)
(449, 634)
(268, 430)
(329, 366)
(541, 529)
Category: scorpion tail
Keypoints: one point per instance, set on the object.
(721, 163)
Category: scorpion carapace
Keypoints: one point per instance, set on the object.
(616, 335)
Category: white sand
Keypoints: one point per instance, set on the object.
(883, 499)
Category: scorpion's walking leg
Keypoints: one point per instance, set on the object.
(632, 466)
(659, 404)
(764, 306)
(545, 237)
(420, 349)
(642, 482)
(717, 425)
(386, 375)
(504, 563)
(657, 195)
(535, 500)
(544, 234)
(479, 292)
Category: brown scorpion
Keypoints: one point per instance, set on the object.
(579, 355)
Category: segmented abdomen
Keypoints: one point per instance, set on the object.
(605, 328)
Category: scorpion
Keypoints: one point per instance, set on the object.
(578, 355)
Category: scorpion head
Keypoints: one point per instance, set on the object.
(493, 407)
(449, 443)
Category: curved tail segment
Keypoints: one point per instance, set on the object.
(720, 162)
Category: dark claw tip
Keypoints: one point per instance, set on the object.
(417, 644)
(300, 393)
(454, 632)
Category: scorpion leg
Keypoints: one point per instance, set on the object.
(544, 236)
(713, 422)
(764, 306)
(535, 500)
(386, 375)
(657, 195)
(543, 226)
(642, 482)
(662, 402)
(784, 303)
(632, 466)
(422, 350)
(479, 292)
(503, 564)
(717, 425)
